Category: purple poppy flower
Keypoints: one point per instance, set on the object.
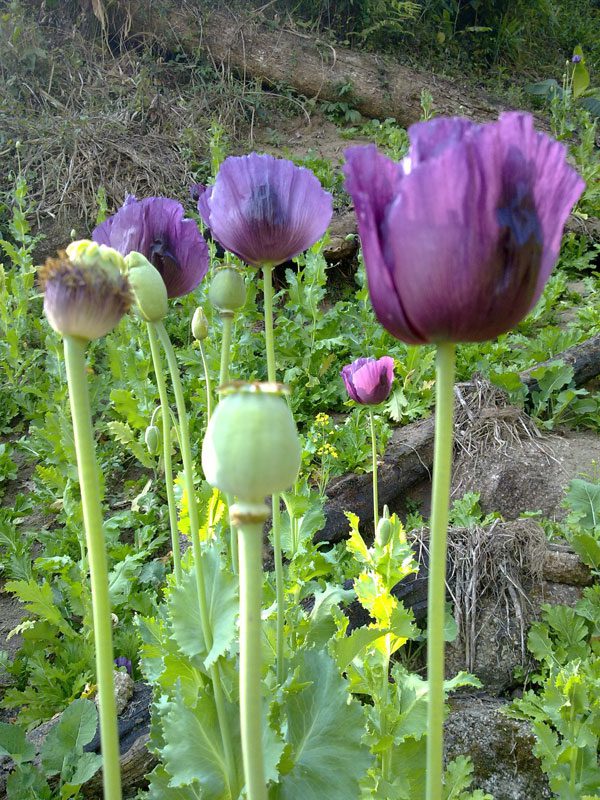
(460, 238)
(156, 228)
(266, 210)
(368, 381)
(576, 59)
(121, 661)
(85, 292)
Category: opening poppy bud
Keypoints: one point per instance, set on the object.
(199, 325)
(85, 292)
(227, 290)
(148, 288)
(152, 439)
(251, 448)
(384, 532)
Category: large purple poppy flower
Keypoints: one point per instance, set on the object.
(266, 210)
(155, 227)
(368, 381)
(460, 238)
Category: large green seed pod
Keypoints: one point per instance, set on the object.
(148, 287)
(251, 448)
(227, 290)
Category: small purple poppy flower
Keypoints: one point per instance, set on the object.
(368, 381)
(460, 238)
(121, 661)
(156, 228)
(576, 59)
(266, 210)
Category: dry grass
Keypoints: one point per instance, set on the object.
(128, 118)
(499, 562)
(486, 422)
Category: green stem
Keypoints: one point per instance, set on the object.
(166, 436)
(374, 455)
(250, 549)
(227, 319)
(276, 513)
(186, 456)
(92, 518)
(386, 755)
(436, 606)
(207, 379)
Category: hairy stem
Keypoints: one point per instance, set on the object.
(207, 379)
(250, 550)
(276, 512)
(92, 518)
(166, 437)
(374, 456)
(442, 465)
(186, 455)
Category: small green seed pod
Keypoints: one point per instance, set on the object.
(383, 532)
(227, 290)
(251, 448)
(148, 287)
(152, 439)
(199, 325)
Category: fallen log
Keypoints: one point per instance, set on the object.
(375, 85)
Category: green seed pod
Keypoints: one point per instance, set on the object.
(199, 325)
(227, 290)
(148, 287)
(383, 532)
(152, 439)
(251, 448)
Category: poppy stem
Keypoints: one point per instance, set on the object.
(166, 440)
(227, 319)
(92, 517)
(276, 514)
(251, 577)
(374, 455)
(186, 456)
(436, 606)
(207, 379)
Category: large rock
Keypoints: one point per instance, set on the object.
(500, 748)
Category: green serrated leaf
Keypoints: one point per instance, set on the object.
(87, 766)
(322, 624)
(75, 728)
(14, 743)
(39, 600)
(160, 789)
(221, 595)
(583, 497)
(587, 548)
(316, 715)
(346, 649)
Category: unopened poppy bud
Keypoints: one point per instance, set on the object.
(384, 532)
(227, 290)
(148, 287)
(85, 292)
(251, 448)
(199, 325)
(152, 439)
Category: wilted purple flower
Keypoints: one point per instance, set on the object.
(461, 236)
(85, 292)
(576, 59)
(121, 661)
(156, 228)
(266, 210)
(368, 381)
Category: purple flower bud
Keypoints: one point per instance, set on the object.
(576, 59)
(266, 210)
(85, 293)
(460, 238)
(156, 228)
(121, 661)
(368, 381)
